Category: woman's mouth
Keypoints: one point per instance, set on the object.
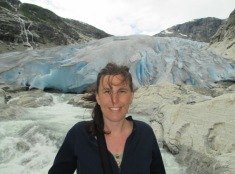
(115, 109)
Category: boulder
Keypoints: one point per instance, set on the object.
(32, 99)
(2, 96)
(205, 127)
(11, 112)
(192, 124)
(78, 101)
(14, 88)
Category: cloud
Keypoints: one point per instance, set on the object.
(126, 17)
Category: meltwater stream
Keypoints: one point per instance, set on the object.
(29, 143)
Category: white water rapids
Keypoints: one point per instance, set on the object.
(29, 143)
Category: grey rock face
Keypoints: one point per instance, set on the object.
(27, 26)
(223, 42)
(222, 34)
(198, 30)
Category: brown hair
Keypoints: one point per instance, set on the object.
(97, 115)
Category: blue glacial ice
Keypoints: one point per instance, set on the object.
(152, 60)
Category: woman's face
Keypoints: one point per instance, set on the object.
(114, 97)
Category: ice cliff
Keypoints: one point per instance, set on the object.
(151, 60)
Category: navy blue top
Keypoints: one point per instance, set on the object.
(80, 152)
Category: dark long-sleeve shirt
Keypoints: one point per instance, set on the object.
(80, 152)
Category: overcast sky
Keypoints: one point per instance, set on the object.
(128, 17)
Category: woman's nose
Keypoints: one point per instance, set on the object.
(114, 97)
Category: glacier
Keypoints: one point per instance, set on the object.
(152, 60)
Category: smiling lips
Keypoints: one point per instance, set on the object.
(115, 109)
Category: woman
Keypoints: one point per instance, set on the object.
(131, 145)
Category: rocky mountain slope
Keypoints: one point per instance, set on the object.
(220, 34)
(27, 26)
(223, 42)
(197, 30)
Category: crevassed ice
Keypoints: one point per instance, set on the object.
(152, 60)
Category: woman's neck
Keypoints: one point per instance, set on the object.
(116, 128)
(119, 132)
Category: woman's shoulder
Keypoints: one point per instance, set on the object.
(140, 125)
(81, 126)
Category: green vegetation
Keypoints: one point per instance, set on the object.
(7, 6)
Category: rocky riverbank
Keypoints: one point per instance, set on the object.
(194, 124)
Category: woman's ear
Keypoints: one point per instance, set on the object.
(132, 97)
(97, 98)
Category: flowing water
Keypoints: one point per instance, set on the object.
(29, 143)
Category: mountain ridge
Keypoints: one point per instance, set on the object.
(197, 30)
(28, 26)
